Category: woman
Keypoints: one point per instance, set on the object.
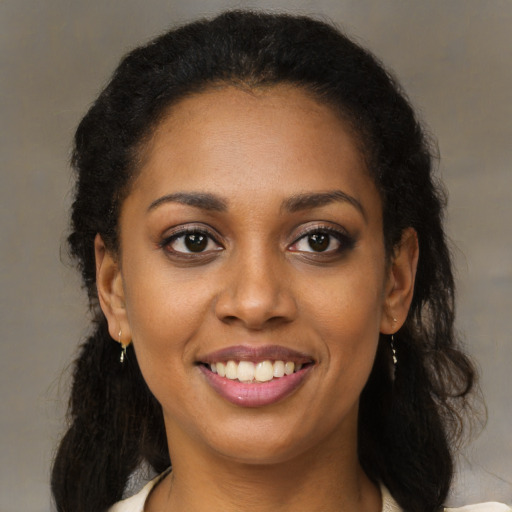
(261, 239)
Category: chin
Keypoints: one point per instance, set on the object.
(265, 441)
(256, 453)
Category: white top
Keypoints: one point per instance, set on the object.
(136, 503)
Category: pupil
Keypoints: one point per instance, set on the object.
(319, 242)
(196, 242)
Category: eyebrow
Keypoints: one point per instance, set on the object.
(309, 201)
(201, 200)
(295, 203)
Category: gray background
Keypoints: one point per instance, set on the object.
(453, 58)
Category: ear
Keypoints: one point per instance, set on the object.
(400, 282)
(109, 283)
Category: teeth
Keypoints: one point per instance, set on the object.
(221, 369)
(264, 371)
(279, 369)
(247, 371)
(231, 370)
(288, 368)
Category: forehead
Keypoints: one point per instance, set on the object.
(270, 139)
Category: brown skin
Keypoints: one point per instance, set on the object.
(260, 282)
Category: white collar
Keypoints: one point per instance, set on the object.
(136, 503)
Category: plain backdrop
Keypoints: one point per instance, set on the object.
(454, 59)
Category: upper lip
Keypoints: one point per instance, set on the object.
(255, 354)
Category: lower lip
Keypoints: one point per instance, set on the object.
(257, 394)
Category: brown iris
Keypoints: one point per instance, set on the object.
(196, 242)
(319, 242)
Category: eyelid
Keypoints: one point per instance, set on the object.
(346, 240)
(191, 227)
(184, 229)
(320, 227)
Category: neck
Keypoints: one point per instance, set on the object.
(315, 480)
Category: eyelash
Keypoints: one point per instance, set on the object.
(346, 242)
(166, 244)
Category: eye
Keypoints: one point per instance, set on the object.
(322, 240)
(191, 241)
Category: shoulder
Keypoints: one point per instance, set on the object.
(490, 506)
(136, 502)
(390, 505)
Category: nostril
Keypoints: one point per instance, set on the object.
(229, 319)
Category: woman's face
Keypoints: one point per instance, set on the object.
(252, 241)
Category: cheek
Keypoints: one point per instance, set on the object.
(161, 303)
(347, 312)
(164, 313)
(163, 319)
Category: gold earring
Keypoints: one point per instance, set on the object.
(123, 349)
(393, 351)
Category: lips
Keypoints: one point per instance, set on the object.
(255, 376)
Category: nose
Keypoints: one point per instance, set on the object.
(257, 294)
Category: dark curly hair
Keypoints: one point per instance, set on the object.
(408, 423)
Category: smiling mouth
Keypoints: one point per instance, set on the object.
(250, 372)
(255, 376)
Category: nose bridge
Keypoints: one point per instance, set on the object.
(256, 290)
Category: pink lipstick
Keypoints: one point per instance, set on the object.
(255, 376)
